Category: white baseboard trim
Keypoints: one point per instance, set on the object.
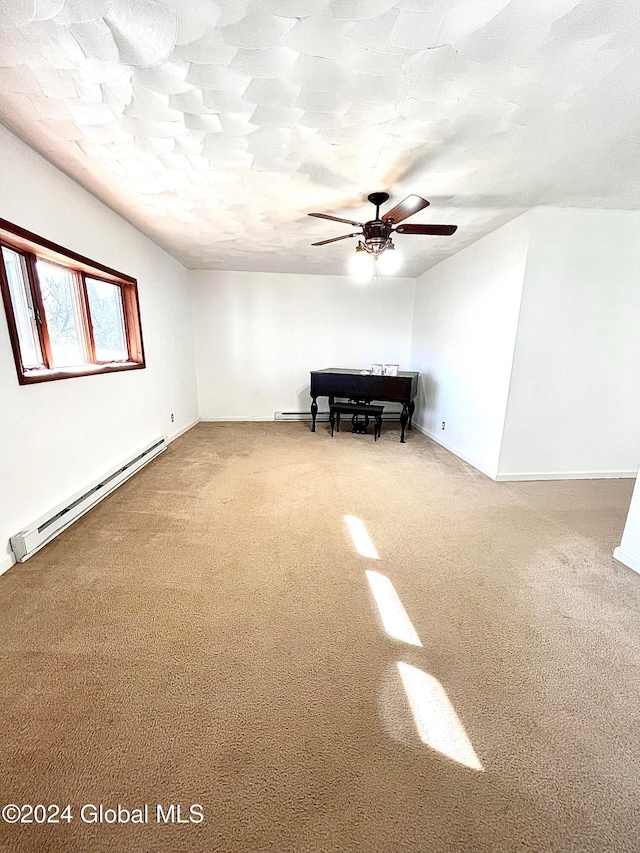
(479, 466)
(6, 562)
(627, 559)
(568, 475)
(182, 431)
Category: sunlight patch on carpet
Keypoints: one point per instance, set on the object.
(394, 617)
(361, 539)
(436, 720)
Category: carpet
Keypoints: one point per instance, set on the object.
(206, 644)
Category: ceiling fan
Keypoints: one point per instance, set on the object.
(377, 251)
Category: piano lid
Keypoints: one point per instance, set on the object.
(353, 371)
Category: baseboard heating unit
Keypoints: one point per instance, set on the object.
(299, 416)
(322, 416)
(46, 528)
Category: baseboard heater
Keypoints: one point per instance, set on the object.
(46, 528)
(299, 416)
(321, 416)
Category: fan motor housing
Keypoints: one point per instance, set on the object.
(376, 233)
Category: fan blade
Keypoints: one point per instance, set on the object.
(336, 219)
(444, 230)
(411, 204)
(333, 239)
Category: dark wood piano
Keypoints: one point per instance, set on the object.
(335, 382)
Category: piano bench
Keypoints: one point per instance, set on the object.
(355, 409)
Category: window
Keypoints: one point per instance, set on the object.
(67, 316)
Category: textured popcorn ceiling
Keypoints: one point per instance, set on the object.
(215, 127)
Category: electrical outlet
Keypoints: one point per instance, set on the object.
(172, 420)
(442, 424)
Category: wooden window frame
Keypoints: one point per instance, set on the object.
(34, 248)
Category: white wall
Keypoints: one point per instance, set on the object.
(574, 403)
(464, 331)
(56, 437)
(629, 550)
(258, 335)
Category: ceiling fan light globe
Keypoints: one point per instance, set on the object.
(389, 261)
(361, 265)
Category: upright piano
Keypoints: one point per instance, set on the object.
(360, 385)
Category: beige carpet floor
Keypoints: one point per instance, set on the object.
(207, 635)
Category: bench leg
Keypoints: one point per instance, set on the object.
(359, 421)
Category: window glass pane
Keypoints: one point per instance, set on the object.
(23, 312)
(63, 315)
(107, 318)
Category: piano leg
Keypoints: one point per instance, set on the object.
(314, 412)
(412, 408)
(404, 417)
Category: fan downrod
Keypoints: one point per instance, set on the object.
(378, 199)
